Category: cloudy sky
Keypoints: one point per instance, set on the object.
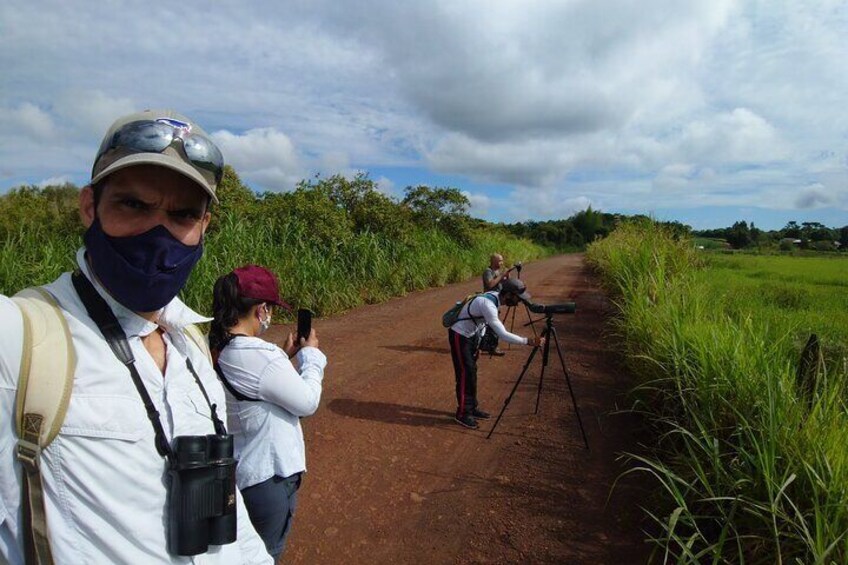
(705, 112)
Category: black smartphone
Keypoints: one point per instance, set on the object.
(304, 324)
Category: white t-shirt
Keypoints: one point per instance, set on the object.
(480, 312)
(268, 435)
(104, 483)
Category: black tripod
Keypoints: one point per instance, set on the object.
(550, 333)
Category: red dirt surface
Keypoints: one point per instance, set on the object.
(393, 479)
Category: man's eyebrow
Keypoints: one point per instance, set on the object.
(119, 193)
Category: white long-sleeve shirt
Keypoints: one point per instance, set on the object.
(480, 312)
(105, 485)
(268, 435)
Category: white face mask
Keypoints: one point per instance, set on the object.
(266, 323)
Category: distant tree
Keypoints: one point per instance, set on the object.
(739, 235)
(815, 231)
(51, 209)
(368, 208)
(234, 198)
(792, 229)
(843, 237)
(443, 208)
(588, 223)
(755, 234)
(678, 229)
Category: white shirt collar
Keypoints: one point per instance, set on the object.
(173, 316)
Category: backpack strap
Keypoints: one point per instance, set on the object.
(223, 378)
(46, 378)
(468, 308)
(196, 336)
(236, 394)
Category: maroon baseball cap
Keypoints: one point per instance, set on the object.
(260, 284)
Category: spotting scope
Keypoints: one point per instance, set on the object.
(564, 308)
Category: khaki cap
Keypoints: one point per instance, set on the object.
(112, 157)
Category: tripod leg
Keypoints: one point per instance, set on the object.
(532, 322)
(506, 314)
(545, 353)
(570, 390)
(514, 388)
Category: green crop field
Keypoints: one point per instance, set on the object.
(752, 453)
(783, 295)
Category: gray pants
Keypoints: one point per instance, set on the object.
(270, 505)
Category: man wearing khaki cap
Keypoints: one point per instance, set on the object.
(140, 470)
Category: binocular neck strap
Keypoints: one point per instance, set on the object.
(105, 319)
(220, 429)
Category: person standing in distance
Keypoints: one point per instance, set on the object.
(493, 277)
(464, 334)
(494, 274)
(106, 481)
(268, 396)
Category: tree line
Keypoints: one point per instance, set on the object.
(804, 235)
(582, 228)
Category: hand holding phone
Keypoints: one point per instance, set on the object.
(304, 324)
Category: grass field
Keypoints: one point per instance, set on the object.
(783, 295)
(753, 461)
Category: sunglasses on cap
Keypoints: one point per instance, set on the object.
(154, 136)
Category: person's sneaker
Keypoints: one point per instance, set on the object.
(480, 415)
(467, 420)
(497, 353)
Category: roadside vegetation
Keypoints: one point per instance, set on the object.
(335, 243)
(752, 450)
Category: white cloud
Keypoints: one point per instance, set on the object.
(539, 203)
(740, 136)
(28, 120)
(479, 203)
(387, 186)
(53, 181)
(92, 111)
(263, 155)
(674, 177)
(536, 163)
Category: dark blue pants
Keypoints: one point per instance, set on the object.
(270, 505)
(464, 355)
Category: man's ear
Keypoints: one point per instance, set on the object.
(87, 209)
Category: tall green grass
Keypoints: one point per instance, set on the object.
(753, 470)
(358, 269)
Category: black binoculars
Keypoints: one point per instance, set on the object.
(202, 499)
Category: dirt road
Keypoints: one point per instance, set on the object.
(393, 479)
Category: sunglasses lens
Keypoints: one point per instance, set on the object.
(146, 137)
(205, 155)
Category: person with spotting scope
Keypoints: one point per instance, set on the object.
(464, 336)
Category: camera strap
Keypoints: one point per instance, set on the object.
(99, 311)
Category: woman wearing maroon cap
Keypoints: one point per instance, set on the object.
(267, 397)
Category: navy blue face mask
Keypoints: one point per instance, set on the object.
(143, 272)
